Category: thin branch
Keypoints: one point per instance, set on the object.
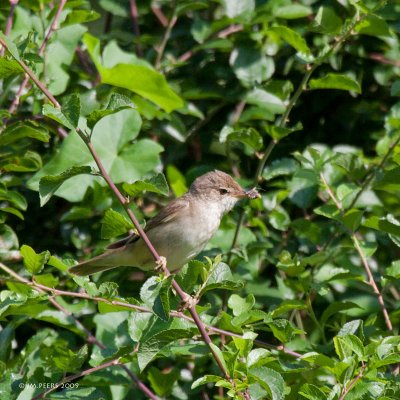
(364, 260)
(79, 375)
(135, 25)
(9, 23)
(176, 314)
(15, 103)
(352, 383)
(167, 35)
(160, 15)
(89, 337)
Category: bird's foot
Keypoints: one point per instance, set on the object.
(188, 302)
(161, 265)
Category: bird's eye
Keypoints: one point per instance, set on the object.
(223, 191)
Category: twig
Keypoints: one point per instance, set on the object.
(364, 260)
(79, 375)
(167, 35)
(89, 337)
(9, 23)
(135, 25)
(176, 314)
(15, 102)
(160, 15)
(383, 60)
(353, 382)
(228, 31)
(184, 296)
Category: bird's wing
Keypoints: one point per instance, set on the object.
(166, 214)
(169, 212)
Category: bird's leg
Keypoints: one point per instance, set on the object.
(161, 264)
(188, 302)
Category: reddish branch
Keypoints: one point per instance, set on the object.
(135, 25)
(352, 383)
(177, 314)
(9, 23)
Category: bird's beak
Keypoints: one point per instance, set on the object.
(250, 194)
(253, 194)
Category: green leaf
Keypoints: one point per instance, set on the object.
(221, 278)
(139, 79)
(251, 65)
(156, 184)
(336, 81)
(9, 67)
(112, 139)
(293, 11)
(382, 224)
(280, 167)
(162, 382)
(238, 8)
(18, 131)
(373, 25)
(292, 38)
(205, 379)
(11, 47)
(278, 132)
(270, 380)
(247, 136)
(108, 290)
(303, 187)
(48, 185)
(80, 16)
(114, 224)
(69, 113)
(350, 344)
(240, 305)
(327, 21)
(352, 219)
(335, 308)
(312, 392)
(155, 294)
(394, 270)
(34, 262)
(116, 103)
(283, 330)
(286, 306)
(176, 181)
(389, 182)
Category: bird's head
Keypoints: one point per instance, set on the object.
(219, 187)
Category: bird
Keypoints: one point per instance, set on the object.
(179, 231)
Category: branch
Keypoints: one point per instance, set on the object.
(167, 35)
(9, 23)
(159, 261)
(135, 25)
(364, 260)
(15, 102)
(352, 383)
(89, 337)
(177, 314)
(79, 375)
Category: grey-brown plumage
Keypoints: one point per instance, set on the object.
(180, 230)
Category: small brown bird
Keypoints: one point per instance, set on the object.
(180, 230)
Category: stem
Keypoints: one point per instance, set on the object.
(135, 25)
(9, 23)
(364, 260)
(352, 383)
(167, 35)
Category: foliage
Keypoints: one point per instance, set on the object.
(299, 289)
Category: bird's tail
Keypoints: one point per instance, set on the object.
(103, 262)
